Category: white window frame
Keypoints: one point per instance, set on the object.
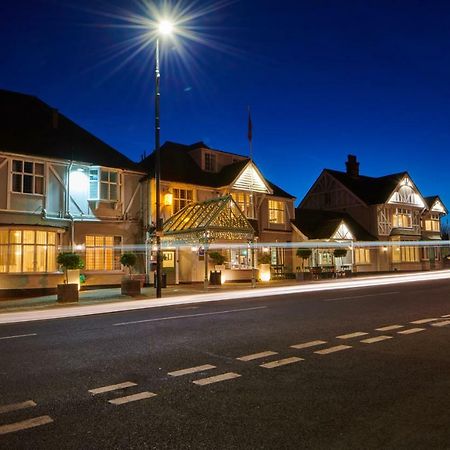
(178, 199)
(96, 182)
(116, 267)
(23, 174)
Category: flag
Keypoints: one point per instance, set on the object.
(250, 126)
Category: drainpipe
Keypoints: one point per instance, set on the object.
(67, 207)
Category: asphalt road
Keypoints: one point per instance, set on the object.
(339, 388)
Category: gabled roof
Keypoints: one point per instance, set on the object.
(177, 165)
(212, 219)
(31, 127)
(431, 200)
(318, 224)
(371, 190)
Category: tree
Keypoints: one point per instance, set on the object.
(303, 254)
(128, 260)
(69, 261)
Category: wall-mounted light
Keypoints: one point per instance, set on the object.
(264, 272)
(385, 249)
(168, 199)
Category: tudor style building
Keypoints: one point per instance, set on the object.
(347, 206)
(61, 189)
(196, 174)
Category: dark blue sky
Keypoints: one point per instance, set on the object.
(324, 78)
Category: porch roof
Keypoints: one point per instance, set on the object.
(215, 219)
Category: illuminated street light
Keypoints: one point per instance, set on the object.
(165, 28)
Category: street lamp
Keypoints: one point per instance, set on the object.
(165, 28)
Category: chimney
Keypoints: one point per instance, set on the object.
(352, 166)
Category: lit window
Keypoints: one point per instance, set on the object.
(362, 256)
(244, 201)
(27, 251)
(27, 177)
(276, 212)
(181, 198)
(405, 254)
(402, 218)
(432, 223)
(103, 252)
(210, 162)
(104, 184)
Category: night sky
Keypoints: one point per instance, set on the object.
(324, 78)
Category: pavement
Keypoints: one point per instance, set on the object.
(350, 368)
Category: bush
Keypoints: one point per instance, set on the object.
(265, 258)
(303, 254)
(128, 260)
(69, 261)
(340, 253)
(218, 258)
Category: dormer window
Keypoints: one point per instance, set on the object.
(103, 184)
(210, 162)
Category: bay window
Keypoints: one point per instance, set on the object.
(104, 184)
(402, 218)
(432, 223)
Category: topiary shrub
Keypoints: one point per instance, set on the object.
(303, 254)
(128, 260)
(265, 258)
(69, 261)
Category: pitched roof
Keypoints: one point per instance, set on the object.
(31, 127)
(371, 190)
(178, 165)
(318, 224)
(432, 199)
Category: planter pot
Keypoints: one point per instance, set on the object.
(130, 287)
(67, 293)
(264, 272)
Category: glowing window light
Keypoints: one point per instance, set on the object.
(264, 272)
(168, 199)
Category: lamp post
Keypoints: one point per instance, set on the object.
(164, 28)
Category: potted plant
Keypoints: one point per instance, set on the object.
(264, 267)
(129, 286)
(216, 276)
(303, 254)
(71, 263)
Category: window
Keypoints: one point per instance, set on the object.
(104, 184)
(362, 256)
(432, 223)
(27, 177)
(210, 162)
(27, 251)
(181, 198)
(103, 252)
(405, 254)
(244, 201)
(402, 218)
(276, 212)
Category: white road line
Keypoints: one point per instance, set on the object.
(217, 378)
(25, 424)
(411, 331)
(337, 348)
(375, 339)
(359, 296)
(281, 362)
(179, 373)
(186, 316)
(352, 335)
(308, 344)
(132, 398)
(17, 336)
(441, 324)
(256, 356)
(390, 328)
(418, 322)
(112, 387)
(16, 406)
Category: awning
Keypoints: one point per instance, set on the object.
(212, 220)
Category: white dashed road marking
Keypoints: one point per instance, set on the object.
(179, 373)
(112, 387)
(337, 348)
(411, 331)
(308, 344)
(359, 296)
(216, 379)
(390, 328)
(132, 398)
(281, 362)
(441, 324)
(16, 406)
(17, 336)
(418, 322)
(352, 335)
(256, 356)
(375, 339)
(25, 424)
